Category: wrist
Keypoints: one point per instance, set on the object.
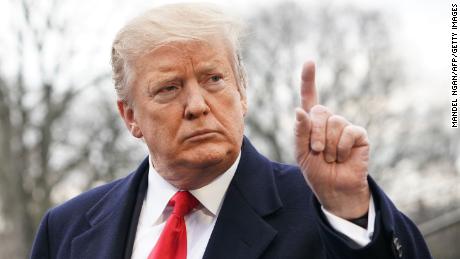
(349, 207)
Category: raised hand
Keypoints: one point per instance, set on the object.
(332, 153)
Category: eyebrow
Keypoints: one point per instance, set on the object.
(200, 68)
(208, 67)
(157, 80)
(165, 74)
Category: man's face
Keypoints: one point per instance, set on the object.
(187, 106)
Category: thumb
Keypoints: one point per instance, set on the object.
(302, 133)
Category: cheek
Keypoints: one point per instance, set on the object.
(160, 124)
(232, 114)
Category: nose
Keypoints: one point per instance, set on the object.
(196, 105)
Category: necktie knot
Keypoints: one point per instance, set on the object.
(183, 203)
(172, 243)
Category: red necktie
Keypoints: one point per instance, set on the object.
(172, 243)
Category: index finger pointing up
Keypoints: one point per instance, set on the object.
(308, 94)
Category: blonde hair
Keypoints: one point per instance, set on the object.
(172, 23)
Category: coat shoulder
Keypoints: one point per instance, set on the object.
(83, 202)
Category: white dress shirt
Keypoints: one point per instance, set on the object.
(200, 222)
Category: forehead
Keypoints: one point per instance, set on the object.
(174, 56)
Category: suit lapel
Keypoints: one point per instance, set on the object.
(109, 220)
(240, 230)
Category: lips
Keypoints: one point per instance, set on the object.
(200, 134)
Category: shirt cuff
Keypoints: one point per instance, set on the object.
(356, 233)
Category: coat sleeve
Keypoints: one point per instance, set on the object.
(395, 235)
(40, 247)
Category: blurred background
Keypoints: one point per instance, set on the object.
(384, 65)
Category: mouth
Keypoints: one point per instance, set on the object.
(200, 135)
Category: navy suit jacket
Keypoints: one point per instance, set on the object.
(268, 212)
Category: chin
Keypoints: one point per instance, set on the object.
(209, 155)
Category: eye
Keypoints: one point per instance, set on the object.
(166, 93)
(214, 82)
(216, 78)
(168, 89)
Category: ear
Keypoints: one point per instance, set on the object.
(244, 104)
(243, 100)
(127, 113)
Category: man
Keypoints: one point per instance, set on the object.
(204, 191)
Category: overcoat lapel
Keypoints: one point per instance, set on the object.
(240, 230)
(109, 220)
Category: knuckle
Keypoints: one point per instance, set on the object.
(355, 131)
(348, 130)
(336, 122)
(362, 130)
(320, 110)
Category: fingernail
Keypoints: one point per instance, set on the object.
(317, 146)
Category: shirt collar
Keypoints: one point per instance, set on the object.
(159, 192)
